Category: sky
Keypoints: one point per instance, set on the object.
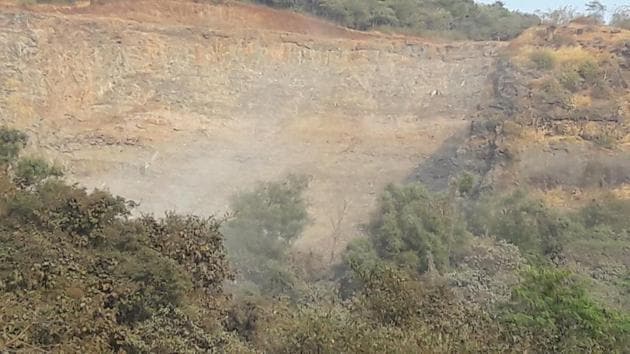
(533, 5)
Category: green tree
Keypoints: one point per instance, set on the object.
(413, 229)
(266, 222)
(551, 310)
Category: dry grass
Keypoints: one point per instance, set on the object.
(573, 55)
(582, 101)
(573, 199)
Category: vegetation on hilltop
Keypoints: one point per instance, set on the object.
(456, 19)
(460, 19)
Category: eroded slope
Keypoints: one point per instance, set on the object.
(180, 115)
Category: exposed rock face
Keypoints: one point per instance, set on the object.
(181, 116)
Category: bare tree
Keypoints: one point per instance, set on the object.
(336, 222)
(621, 17)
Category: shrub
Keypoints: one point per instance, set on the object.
(415, 229)
(570, 79)
(608, 211)
(589, 70)
(543, 59)
(194, 243)
(86, 214)
(32, 171)
(524, 222)
(465, 183)
(160, 284)
(11, 143)
(553, 93)
(552, 311)
(605, 140)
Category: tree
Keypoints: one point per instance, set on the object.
(452, 18)
(558, 17)
(621, 17)
(413, 229)
(551, 309)
(266, 222)
(596, 10)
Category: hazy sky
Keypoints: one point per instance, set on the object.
(533, 5)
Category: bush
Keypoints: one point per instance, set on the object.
(570, 79)
(609, 211)
(465, 183)
(543, 59)
(589, 70)
(32, 171)
(414, 229)
(524, 222)
(605, 140)
(552, 311)
(85, 278)
(161, 284)
(11, 143)
(194, 243)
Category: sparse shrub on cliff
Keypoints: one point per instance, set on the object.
(465, 183)
(589, 70)
(11, 143)
(543, 59)
(570, 79)
(609, 211)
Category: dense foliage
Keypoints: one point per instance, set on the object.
(554, 312)
(266, 222)
(77, 274)
(449, 18)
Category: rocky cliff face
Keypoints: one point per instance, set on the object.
(181, 115)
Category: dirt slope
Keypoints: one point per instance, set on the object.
(178, 105)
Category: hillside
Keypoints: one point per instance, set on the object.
(299, 187)
(200, 100)
(559, 127)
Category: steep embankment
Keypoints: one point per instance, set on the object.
(178, 105)
(560, 117)
(559, 126)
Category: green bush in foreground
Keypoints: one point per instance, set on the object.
(552, 311)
